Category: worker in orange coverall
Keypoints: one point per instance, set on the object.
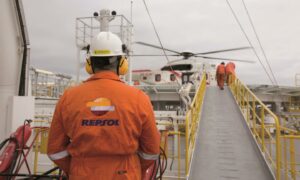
(104, 129)
(220, 75)
(230, 72)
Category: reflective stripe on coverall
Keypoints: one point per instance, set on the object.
(230, 70)
(220, 75)
(103, 129)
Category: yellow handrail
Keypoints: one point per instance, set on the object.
(177, 133)
(243, 96)
(268, 134)
(192, 122)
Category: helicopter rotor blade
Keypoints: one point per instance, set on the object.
(223, 50)
(226, 59)
(140, 55)
(157, 47)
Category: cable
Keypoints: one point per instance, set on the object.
(3, 143)
(22, 85)
(160, 166)
(15, 157)
(262, 49)
(245, 34)
(163, 170)
(162, 161)
(256, 35)
(153, 171)
(159, 40)
(165, 54)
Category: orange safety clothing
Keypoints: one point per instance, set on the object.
(220, 69)
(104, 129)
(220, 75)
(230, 71)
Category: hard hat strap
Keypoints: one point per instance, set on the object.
(118, 66)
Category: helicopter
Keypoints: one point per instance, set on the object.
(180, 70)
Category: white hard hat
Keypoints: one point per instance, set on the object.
(106, 44)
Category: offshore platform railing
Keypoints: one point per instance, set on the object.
(48, 84)
(192, 122)
(276, 142)
(186, 129)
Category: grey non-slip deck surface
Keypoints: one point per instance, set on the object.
(224, 148)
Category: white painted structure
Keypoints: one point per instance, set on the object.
(11, 51)
(18, 113)
(9, 58)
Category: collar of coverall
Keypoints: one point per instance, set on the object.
(104, 75)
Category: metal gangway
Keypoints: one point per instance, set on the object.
(225, 148)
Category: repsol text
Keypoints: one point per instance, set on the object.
(100, 122)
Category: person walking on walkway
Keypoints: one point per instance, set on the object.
(220, 75)
(230, 72)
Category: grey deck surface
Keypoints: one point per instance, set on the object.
(224, 148)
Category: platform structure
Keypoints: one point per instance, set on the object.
(229, 134)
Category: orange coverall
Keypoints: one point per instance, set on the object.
(103, 129)
(230, 70)
(220, 75)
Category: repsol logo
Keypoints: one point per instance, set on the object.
(98, 122)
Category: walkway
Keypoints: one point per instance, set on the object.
(225, 148)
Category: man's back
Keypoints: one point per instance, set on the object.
(108, 122)
(103, 110)
(220, 69)
(230, 68)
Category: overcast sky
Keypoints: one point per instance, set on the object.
(195, 25)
